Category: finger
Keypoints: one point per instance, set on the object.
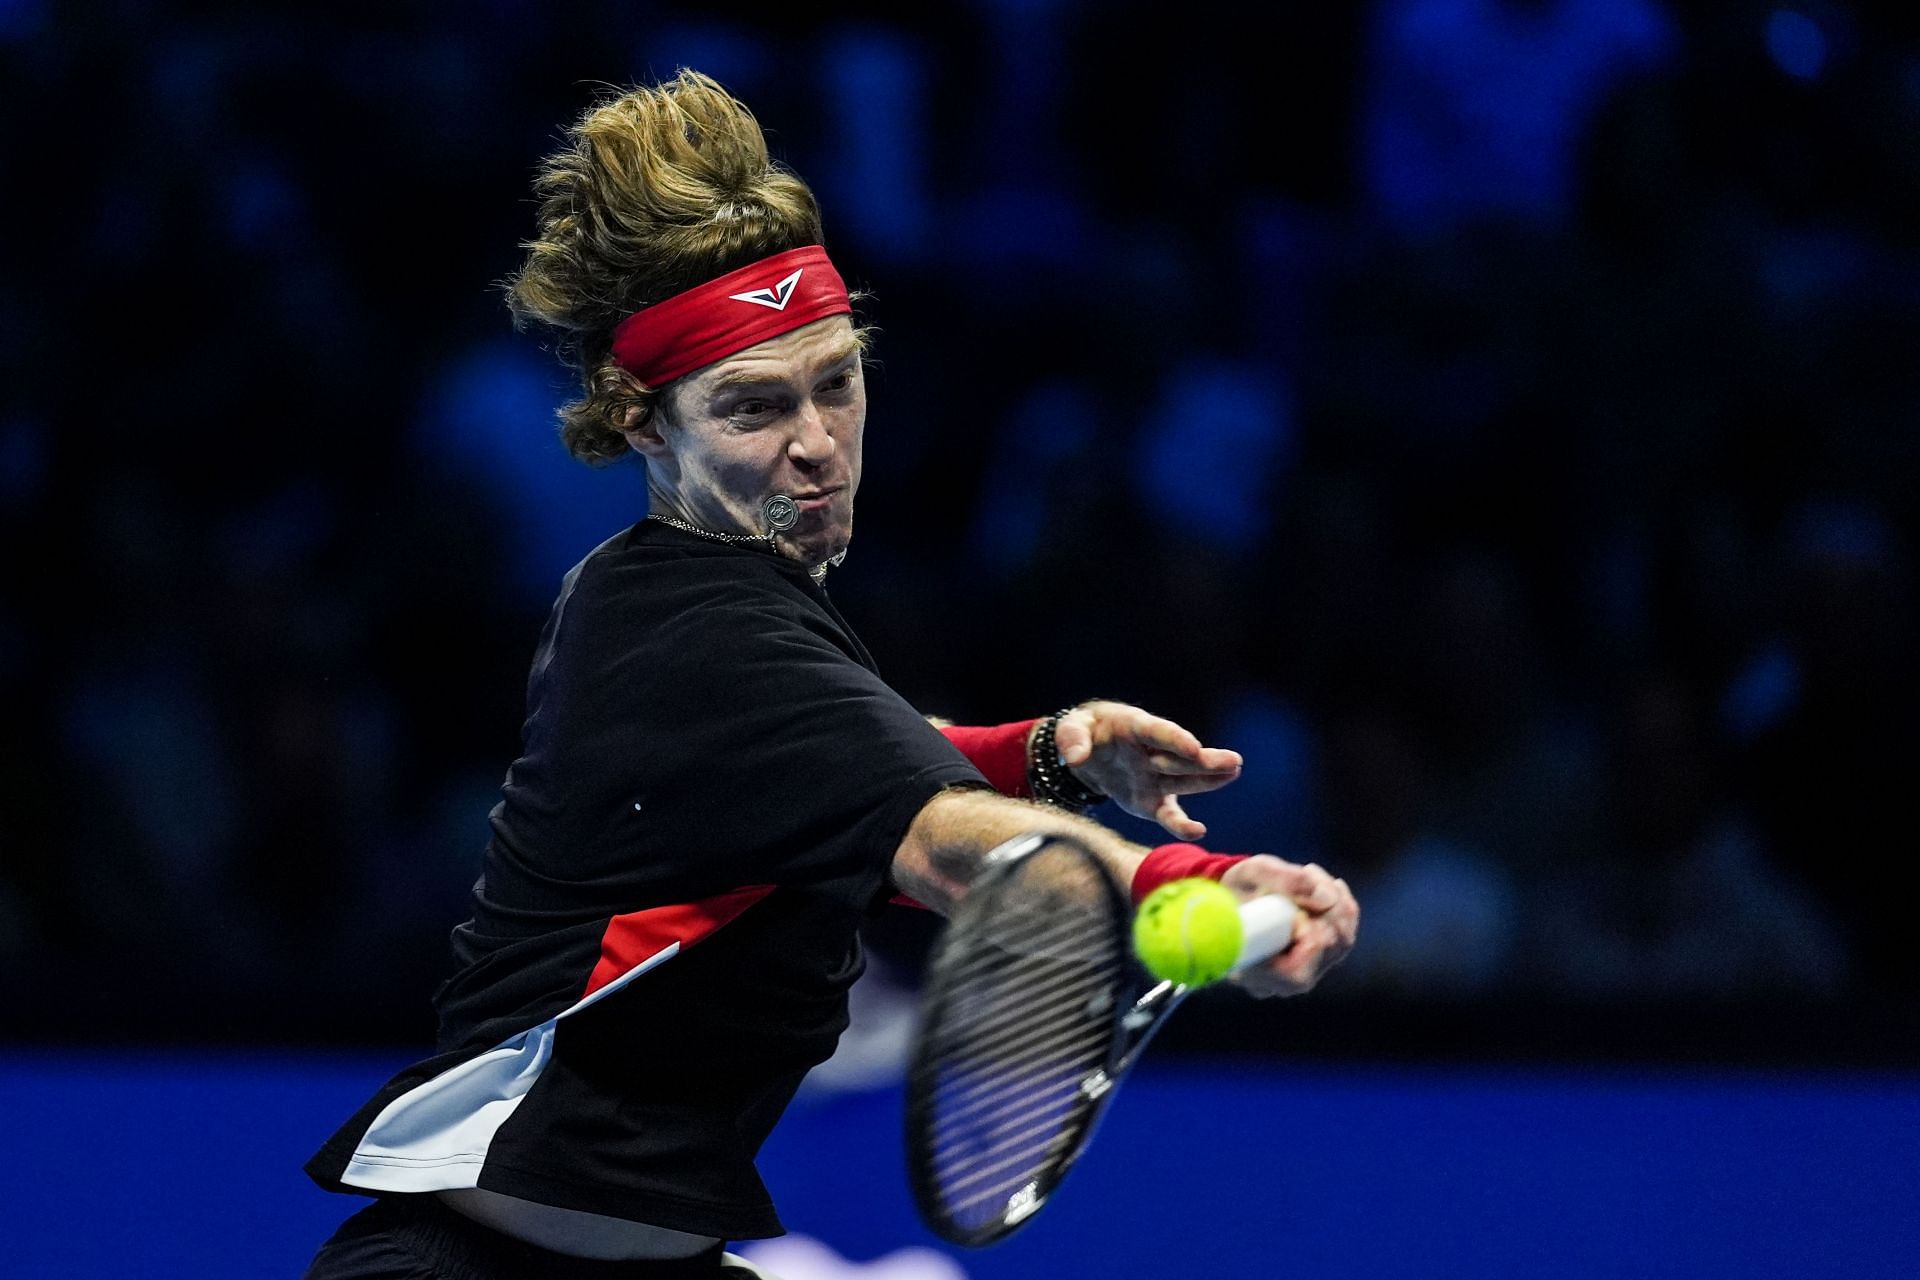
(1312, 887)
(1299, 967)
(1284, 975)
(1195, 784)
(1179, 766)
(1345, 916)
(1309, 885)
(1171, 816)
(1073, 737)
(1165, 734)
(1318, 947)
(1267, 874)
(1343, 909)
(1219, 758)
(1314, 951)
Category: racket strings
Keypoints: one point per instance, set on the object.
(989, 1028)
(978, 1106)
(1028, 1019)
(966, 1097)
(1066, 935)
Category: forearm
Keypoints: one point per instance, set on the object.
(949, 839)
(946, 847)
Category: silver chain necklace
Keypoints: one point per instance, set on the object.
(736, 539)
(781, 515)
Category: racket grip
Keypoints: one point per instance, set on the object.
(1266, 929)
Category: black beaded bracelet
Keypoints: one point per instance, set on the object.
(1051, 781)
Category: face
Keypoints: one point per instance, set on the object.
(783, 417)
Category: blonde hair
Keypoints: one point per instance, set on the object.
(656, 191)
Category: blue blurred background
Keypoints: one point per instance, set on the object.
(1495, 418)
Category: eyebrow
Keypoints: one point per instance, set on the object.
(734, 381)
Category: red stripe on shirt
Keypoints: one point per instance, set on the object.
(637, 937)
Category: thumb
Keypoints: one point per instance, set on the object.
(1073, 739)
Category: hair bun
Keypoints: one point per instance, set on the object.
(655, 190)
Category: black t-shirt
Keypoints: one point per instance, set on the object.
(712, 785)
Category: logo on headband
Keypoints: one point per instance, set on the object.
(691, 330)
(777, 297)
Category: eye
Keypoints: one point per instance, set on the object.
(751, 412)
(839, 383)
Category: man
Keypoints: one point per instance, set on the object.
(716, 787)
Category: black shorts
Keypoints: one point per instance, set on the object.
(416, 1237)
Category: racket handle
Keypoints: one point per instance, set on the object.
(1266, 929)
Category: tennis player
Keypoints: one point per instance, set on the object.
(716, 786)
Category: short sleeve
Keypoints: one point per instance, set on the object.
(706, 736)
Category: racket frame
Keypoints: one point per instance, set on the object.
(1140, 1006)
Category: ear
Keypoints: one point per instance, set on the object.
(641, 424)
(639, 419)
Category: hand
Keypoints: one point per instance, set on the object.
(1142, 762)
(1323, 933)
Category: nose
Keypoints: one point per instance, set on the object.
(812, 444)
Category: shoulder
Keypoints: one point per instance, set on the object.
(677, 601)
(638, 572)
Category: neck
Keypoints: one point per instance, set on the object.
(666, 506)
(666, 503)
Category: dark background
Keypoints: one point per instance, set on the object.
(1495, 419)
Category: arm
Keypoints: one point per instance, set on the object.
(949, 839)
(1142, 762)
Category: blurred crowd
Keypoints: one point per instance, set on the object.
(1494, 418)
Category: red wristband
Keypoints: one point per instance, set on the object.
(999, 752)
(1171, 862)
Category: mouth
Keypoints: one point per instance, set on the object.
(817, 500)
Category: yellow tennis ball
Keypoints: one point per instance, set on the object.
(1188, 931)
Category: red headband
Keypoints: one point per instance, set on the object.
(741, 309)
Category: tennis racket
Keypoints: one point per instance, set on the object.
(1033, 1011)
